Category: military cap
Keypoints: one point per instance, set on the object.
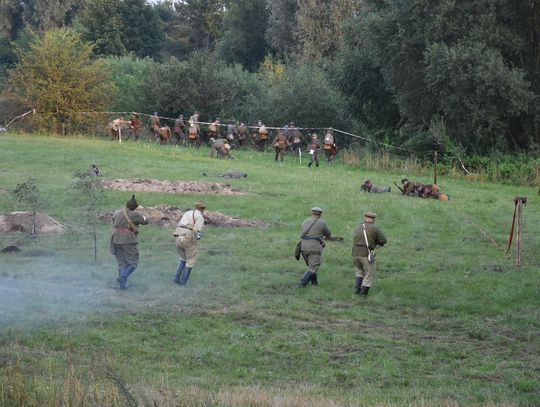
(132, 203)
(316, 209)
(370, 214)
(200, 205)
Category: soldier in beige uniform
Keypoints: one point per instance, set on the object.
(365, 269)
(188, 233)
(124, 243)
(314, 230)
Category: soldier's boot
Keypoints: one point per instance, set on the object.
(358, 285)
(120, 280)
(125, 274)
(306, 278)
(309, 164)
(179, 269)
(364, 291)
(314, 280)
(184, 277)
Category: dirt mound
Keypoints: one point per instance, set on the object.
(22, 222)
(169, 216)
(173, 187)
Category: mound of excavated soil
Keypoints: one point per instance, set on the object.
(22, 222)
(169, 216)
(173, 187)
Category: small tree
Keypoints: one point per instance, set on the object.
(88, 191)
(28, 194)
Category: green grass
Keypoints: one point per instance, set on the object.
(450, 320)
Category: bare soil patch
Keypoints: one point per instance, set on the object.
(172, 187)
(22, 222)
(169, 216)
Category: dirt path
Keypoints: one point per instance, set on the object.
(173, 187)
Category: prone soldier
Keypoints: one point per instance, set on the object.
(368, 186)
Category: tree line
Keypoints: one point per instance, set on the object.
(446, 75)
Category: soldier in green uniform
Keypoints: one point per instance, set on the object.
(124, 243)
(188, 234)
(314, 230)
(366, 238)
(280, 144)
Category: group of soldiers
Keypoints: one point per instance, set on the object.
(314, 234)
(221, 138)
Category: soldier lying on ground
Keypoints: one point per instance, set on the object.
(228, 174)
(421, 190)
(369, 187)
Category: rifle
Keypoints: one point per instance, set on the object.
(398, 187)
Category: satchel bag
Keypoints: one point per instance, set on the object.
(371, 253)
(298, 248)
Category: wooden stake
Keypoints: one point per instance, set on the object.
(518, 237)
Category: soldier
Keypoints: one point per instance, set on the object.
(179, 135)
(94, 171)
(296, 139)
(368, 186)
(135, 125)
(155, 124)
(330, 149)
(313, 149)
(188, 234)
(314, 229)
(280, 144)
(214, 130)
(242, 135)
(124, 243)
(366, 238)
(219, 148)
(194, 130)
(115, 128)
(262, 136)
(232, 133)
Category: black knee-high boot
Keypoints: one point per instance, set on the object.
(179, 269)
(185, 275)
(364, 291)
(306, 278)
(314, 280)
(358, 285)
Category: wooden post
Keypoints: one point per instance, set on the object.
(520, 201)
(435, 168)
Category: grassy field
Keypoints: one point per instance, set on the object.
(450, 321)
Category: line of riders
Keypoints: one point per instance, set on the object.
(223, 138)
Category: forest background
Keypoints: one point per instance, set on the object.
(453, 76)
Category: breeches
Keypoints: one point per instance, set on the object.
(363, 268)
(126, 254)
(313, 259)
(188, 249)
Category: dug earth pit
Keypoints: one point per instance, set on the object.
(172, 187)
(22, 222)
(169, 216)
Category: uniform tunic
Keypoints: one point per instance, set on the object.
(312, 243)
(190, 225)
(124, 242)
(375, 237)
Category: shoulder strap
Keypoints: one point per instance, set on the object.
(308, 229)
(365, 235)
(130, 223)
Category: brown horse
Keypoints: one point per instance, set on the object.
(163, 133)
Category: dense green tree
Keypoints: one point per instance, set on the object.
(129, 74)
(58, 78)
(243, 38)
(282, 29)
(320, 25)
(142, 28)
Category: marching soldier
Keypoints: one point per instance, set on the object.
(262, 136)
(214, 130)
(232, 133)
(280, 145)
(193, 132)
(155, 124)
(188, 234)
(367, 236)
(242, 135)
(124, 242)
(134, 125)
(314, 230)
(179, 126)
(330, 150)
(313, 150)
(296, 139)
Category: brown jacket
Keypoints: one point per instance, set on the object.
(123, 233)
(375, 238)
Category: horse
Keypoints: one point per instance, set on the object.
(163, 133)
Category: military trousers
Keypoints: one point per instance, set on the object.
(313, 259)
(364, 269)
(187, 246)
(126, 254)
